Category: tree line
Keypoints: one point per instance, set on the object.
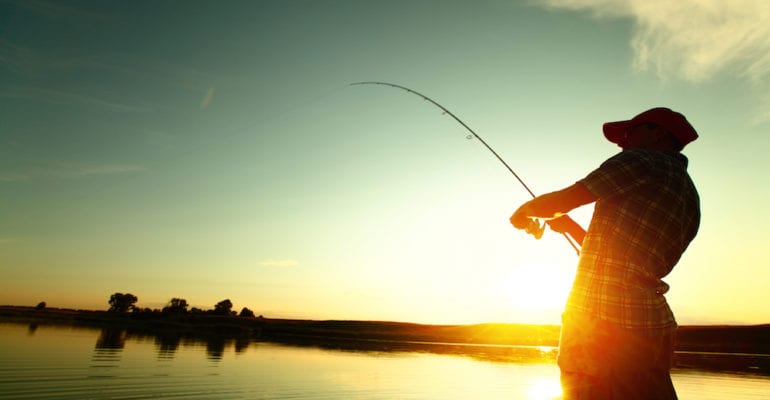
(121, 303)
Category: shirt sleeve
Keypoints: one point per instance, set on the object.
(620, 174)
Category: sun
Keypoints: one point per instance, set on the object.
(537, 294)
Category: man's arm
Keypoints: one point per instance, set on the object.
(553, 205)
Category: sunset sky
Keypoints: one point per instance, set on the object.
(213, 150)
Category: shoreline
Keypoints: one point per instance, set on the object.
(739, 348)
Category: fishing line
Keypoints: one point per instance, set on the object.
(536, 231)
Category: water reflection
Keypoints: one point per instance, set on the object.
(217, 345)
(481, 352)
(107, 353)
(127, 364)
(241, 345)
(111, 340)
(167, 345)
(215, 348)
(544, 388)
(168, 341)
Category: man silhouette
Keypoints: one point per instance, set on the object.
(617, 328)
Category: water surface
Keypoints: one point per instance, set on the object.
(55, 362)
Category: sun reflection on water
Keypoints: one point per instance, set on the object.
(544, 389)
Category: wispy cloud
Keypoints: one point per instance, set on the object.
(288, 262)
(67, 170)
(694, 40)
(70, 98)
(135, 75)
(10, 176)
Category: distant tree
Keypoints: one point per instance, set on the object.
(176, 306)
(245, 312)
(223, 307)
(40, 306)
(122, 303)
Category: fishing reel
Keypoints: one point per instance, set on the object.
(535, 229)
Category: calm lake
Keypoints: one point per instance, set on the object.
(56, 362)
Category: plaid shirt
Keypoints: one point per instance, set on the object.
(647, 212)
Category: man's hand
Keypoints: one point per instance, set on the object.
(520, 218)
(565, 224)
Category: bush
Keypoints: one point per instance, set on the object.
(246, 313)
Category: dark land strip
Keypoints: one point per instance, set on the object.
(711, 347)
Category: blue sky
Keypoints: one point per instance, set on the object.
(216, 150)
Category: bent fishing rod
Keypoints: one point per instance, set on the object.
(535, 229)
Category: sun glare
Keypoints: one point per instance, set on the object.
(544, 389)
(535, 291)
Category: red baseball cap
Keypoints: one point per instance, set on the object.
(671, 121)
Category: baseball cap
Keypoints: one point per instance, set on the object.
(671, 121)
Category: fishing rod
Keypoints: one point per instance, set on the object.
(534, 228)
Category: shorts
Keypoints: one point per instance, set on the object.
(599, 360)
